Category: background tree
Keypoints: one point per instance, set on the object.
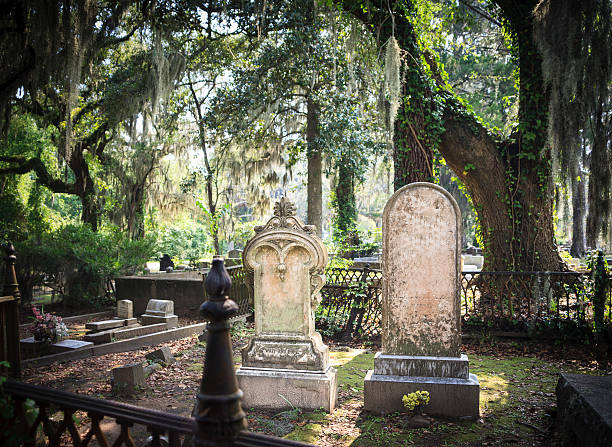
(508, 179)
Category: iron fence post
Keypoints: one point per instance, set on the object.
(12, 313)
(219, 417)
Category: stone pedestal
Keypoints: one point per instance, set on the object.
(421, 337)
(280, 389)
(286, 364)
(160, 311)
(453, 391)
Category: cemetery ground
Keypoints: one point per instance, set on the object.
(517, 397)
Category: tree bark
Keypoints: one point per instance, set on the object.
(346, 210)
(578, 248)
(86, 190)
(315, 169)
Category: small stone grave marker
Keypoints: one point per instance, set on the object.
(128, 378)
(161, 355)
(234, 254)
(160, 311)
(125, 309)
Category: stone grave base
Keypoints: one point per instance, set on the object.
(449, 397)
(421, 366)
(170, 320)
(584, 407)
(263, 388)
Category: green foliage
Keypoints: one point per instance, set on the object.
(79, 263)
(242, 232)
(11, 433)
(186, 240)
(600, 282)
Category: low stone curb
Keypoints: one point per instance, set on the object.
(130, 344)
(78, 317)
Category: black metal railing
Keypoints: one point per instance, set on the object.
(351, 302)
(352, 299)
(242, 289)
(9, 317)
(525, 295)
(32, 411)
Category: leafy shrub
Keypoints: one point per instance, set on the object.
(78, 263)
(184, 241)
(415, 401)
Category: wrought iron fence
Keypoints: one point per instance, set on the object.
(49, 415)
(242, 289)
(352, 300)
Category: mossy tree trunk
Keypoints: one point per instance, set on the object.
(346, 208)
(508, 181)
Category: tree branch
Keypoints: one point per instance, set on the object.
(22, 165)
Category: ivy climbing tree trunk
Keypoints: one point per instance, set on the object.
(578, 248)
(412, 145)
(315, 170)
(509, 181)
(346, 209)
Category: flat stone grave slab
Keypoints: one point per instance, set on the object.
(30, 346)
(70, 345)
(584, 405)
(122, 334)
(96, 326)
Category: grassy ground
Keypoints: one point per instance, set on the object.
(516, 401)
(517, 396)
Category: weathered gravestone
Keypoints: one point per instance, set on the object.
(421, 307)
(234, 254)
(161, 355)
(128, 379)
(164, 262)
(286, 363)
(125, 309)
(160, 311)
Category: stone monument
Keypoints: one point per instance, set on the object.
(160, 311)
(125, 309)
(286, 363)
(421, 307)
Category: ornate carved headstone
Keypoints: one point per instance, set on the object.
(286, 361)
(421, 337)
